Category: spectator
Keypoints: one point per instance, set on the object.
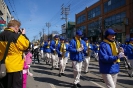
(36, 53)
(14, 61)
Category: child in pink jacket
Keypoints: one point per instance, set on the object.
(28, 59)
(25, 71)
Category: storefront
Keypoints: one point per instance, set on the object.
(70, 30)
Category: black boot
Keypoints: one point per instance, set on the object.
(59, 75)
(75, 86)
(51, 68)
(78, 85)
(63, 74)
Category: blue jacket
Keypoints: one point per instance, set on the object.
(95, 48)
(129, 52)
(58, 50)
(53, 46)
(106, 60)
(45, 49)
(74, 54)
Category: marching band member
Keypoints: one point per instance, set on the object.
(41, 50)
(47, 51)
(96, 50)
(61, 50)
(53, 46)
(67, 52)
(76, 48)
(109, 59)
(129, 52)
(87, 55)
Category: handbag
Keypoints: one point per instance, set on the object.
(2, 62)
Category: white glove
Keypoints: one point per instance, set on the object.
(64, 47)
(121, 54)
(79, 49)
(82, 46)
(61, 53)
(53, 49)
(87, 51)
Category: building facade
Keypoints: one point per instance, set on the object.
(5, 15)
(104, 14)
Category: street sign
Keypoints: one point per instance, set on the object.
(2, 22)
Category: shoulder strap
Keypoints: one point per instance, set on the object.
(7, 48)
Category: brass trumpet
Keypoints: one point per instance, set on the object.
(89, 51)
(64, 51)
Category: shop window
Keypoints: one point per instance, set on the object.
(81, 19)
(94, 12)
(113, 4)
(123, 2)
(115, 19)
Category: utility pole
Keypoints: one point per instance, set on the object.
(40, 37)
(34, 38)
(43, 33)
(65, 12)
(48, 25)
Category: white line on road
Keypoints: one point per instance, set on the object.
(97, 84)
(52, 85)
(94, 83)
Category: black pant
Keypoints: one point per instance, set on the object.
(36, 56)
(13, 80)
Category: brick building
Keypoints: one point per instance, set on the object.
(104, 14)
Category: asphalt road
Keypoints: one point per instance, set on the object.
(45, 78)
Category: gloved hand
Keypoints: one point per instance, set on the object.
(64, 47)
(87, 51)
(60, 53)
(82, 46)
(53, 49)
(80, 49)
(121, 54)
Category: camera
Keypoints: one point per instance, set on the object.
(20, 30)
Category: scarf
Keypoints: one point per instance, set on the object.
(97, 47)
(56, 42)
(113, 48)
(48, 46)
(131, 44)
(78, 44)
(62, 48)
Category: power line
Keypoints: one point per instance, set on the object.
(55, 16)
(13, 9)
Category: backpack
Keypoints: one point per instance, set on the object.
(2, 62)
